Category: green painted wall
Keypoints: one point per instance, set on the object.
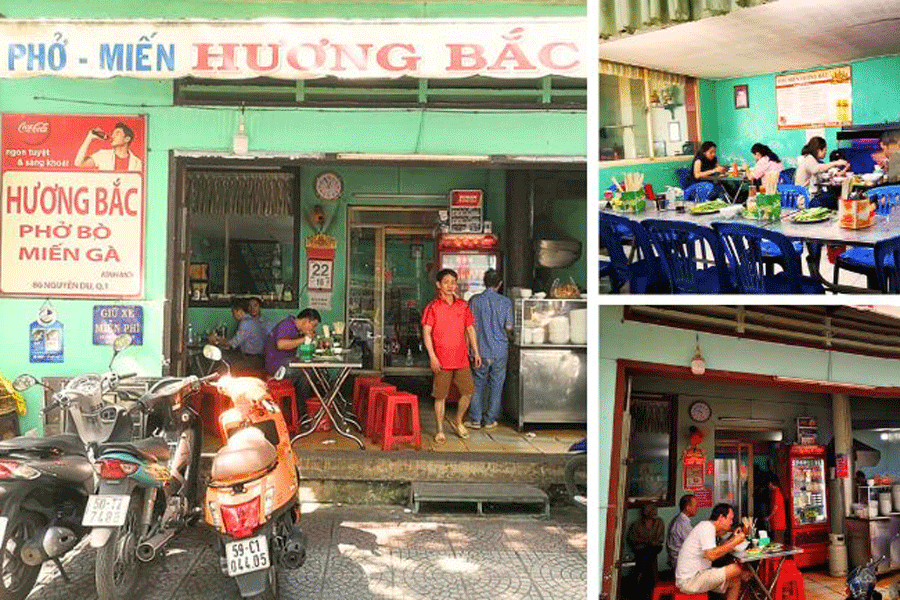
(630, 340)
(293, 130)
(735, 131)
(659, 173)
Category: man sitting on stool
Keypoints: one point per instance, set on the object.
(694, 573)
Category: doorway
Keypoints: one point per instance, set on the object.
(392, 253)
(744, 464)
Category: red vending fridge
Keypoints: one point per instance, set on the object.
(806, 495)
(470, 255)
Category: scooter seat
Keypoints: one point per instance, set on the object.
(154, 448)
(65, 443)
(247, 452)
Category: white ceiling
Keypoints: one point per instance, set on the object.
(779, 36)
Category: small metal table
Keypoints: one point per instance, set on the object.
(328, 388)
(740, 181)
(753, 562)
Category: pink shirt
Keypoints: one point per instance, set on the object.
(764, 165)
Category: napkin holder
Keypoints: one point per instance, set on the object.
(856, 213)
(767, 208)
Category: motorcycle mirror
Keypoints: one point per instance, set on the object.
(23, 382)
(121, 342)
(213, 353)
(280, 373)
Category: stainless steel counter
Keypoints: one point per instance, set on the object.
(546, 384)
(879, 536)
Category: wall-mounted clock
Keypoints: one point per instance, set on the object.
(700, 411)
(329, 186)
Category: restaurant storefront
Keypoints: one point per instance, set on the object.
(240, 173)
(765, 398)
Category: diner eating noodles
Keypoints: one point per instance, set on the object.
(705, 162)
(694, 572)
(811, 173)
(766, 161)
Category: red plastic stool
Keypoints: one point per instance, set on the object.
(360, 393)
(790, 583)
(284, 394)
(371, 426)
(313, 405)
(388, 414)
(668, 588)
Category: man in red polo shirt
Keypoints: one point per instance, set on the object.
(448, 329)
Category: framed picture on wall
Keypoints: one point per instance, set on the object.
(741, 97)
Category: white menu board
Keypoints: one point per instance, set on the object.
(819, 98)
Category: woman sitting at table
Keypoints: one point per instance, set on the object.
(811, 173)
(766, 161)
(705, 165)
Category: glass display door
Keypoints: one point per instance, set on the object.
(391, 264)
(808, 488)
(734, 477)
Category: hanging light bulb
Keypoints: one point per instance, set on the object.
(698, 365)
(240, 142)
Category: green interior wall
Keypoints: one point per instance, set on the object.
(655, 344)
(375, 180)
(660, 174)
(292, 130)
(735, 131)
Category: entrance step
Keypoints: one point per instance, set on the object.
(477, 493)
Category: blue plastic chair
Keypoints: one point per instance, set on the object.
(699, 192)
(676, 243)
(743, 249)
(887, 257)
(684, 177)
(790, 194)
(786, 176)
(862, 260)
(644, 274)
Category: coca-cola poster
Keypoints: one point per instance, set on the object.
(73, 203)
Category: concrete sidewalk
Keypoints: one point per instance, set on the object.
(377, 553)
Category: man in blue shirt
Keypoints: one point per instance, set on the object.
(249, 339)
(493, 323)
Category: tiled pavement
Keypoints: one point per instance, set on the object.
(358, 553)
(821, 586)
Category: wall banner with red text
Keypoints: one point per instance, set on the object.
(519, 48)
(72, 205)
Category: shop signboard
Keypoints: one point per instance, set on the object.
(72, 212)
(466, 211)
(703, 497)
(519, 48)
(807, 431)
(113, 320)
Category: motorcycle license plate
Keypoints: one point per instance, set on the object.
(246, 556)
(106, 510)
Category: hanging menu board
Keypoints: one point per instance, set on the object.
(466, 214)
(820, 98)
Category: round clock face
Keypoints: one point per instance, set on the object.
(329, 186)
(700, 411)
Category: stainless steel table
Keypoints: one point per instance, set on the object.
(739, 180)
(753, 562)
(327, 387)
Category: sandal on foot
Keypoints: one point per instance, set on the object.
(440, 438)
(461, 430)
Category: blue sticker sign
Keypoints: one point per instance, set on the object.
(113, 320)
(46, 337)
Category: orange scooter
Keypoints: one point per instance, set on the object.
(251, 499)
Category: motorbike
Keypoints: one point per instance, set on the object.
(45, 481)
(575, 475)
(147, 488)
(251, 498)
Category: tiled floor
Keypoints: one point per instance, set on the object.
(504, 439)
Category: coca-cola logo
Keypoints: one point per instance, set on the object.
(34, 133)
